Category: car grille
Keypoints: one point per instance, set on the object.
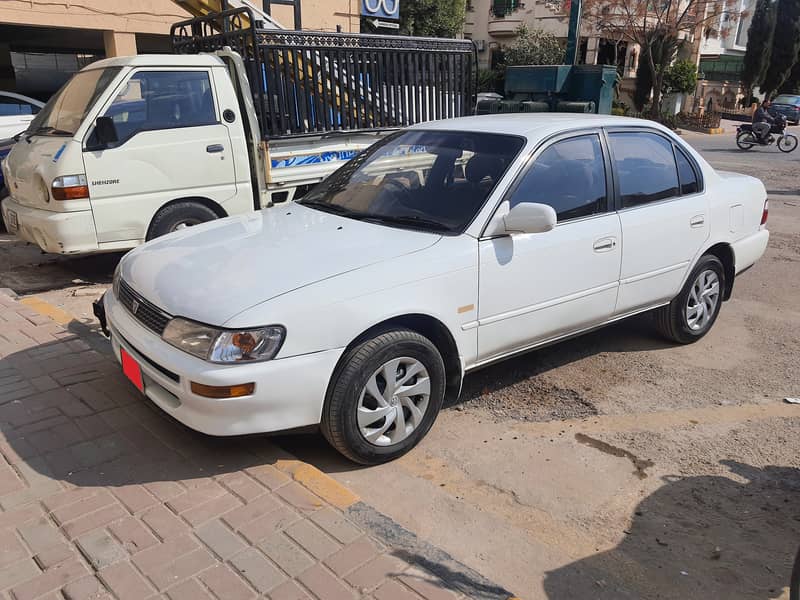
(147, 313)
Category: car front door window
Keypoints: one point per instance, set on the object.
(570, 176)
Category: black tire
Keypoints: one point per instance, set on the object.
(745, 140)
(169, 218)
(671, 320)
(794, 584)
(339, 416)
(790, 142)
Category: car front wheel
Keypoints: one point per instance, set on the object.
(384, 397)
(693, 311)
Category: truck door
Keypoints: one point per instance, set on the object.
(171, 145)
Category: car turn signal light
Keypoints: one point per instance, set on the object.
(225, 391)
(70, 187)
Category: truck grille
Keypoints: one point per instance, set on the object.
(147, 313)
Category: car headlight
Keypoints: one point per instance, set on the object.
(222, 345)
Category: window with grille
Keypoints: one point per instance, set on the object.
(501, 8)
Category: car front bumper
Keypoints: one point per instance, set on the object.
(289, 392)
(55, 232)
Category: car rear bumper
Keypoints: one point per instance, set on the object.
(289, 392)
(749, 249)
(57, 232)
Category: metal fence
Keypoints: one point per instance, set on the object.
(313, 82)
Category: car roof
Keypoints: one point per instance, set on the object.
(16, 96)
(157, 60)
(535, 125)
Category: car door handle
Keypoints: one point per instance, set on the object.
(697, 221)
(215, 148)
(605, 244)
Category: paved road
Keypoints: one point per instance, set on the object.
(610, 466)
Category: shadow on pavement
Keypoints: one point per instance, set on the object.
(703, 537)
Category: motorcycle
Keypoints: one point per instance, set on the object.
(746, 138)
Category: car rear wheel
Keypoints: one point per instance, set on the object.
(179, 216)
(692, 313)
(384, 397)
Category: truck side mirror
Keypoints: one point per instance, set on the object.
(105, 132)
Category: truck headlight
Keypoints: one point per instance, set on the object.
(222, 345)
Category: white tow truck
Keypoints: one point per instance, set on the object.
(242, 116)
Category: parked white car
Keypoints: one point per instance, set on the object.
(361, 307)
(16, 113)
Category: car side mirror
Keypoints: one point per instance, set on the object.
(105, 132)
(525, 217)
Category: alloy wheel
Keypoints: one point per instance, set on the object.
(393, 402)
(702, 302)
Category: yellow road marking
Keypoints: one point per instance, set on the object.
(43, 307)
(324, 486)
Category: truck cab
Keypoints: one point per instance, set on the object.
(241, 117)
(180, 155)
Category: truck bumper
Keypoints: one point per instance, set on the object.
(55, 232)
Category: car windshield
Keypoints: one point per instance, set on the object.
(792, 100)
(429, 180)
(64, 112)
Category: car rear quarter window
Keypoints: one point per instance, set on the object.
(645, 166)
(686, 173)
(570, 176)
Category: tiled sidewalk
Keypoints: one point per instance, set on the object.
(103, 496)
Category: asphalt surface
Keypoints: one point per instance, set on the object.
(611, 466)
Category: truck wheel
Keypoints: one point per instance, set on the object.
(384, 397)
(693, 311)
(178, 216)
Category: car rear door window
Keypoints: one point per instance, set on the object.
(686, 173)
(645, 166)
(570, 176)
(11, 107)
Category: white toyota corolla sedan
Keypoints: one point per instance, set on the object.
(440, 249)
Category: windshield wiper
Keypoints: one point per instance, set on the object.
(411, 220)
(327, 207)
(48, 130)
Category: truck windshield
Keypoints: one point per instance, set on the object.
(64, 112)
(416, 179)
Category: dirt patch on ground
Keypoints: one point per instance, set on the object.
(534, 399)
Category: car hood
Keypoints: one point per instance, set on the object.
(214, 271)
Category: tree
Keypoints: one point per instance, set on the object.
(658, 26)
(644, 82)
(534, 47)
(760, 36)
(432, 18)
(680, 78)
(792, 83)
(785, 46)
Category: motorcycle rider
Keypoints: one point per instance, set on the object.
(762, 122)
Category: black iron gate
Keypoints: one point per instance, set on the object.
(306, 82)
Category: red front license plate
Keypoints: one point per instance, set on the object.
(131, 369)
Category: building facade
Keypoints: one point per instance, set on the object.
(720, 56)
(43, 42)
(493, 24)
